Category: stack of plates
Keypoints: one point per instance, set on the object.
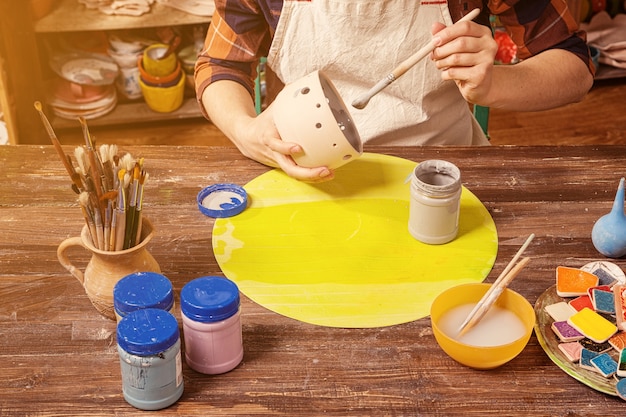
(84, 86)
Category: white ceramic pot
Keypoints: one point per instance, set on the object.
(311, 113)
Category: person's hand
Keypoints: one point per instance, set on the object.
(465, 53)
(264, 144)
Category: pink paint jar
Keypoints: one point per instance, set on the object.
(210, 308)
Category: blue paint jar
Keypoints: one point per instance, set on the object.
(148, 343)
(210, 308)
(142, 290)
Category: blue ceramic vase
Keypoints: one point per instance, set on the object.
(609, 232)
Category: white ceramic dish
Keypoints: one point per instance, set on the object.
(86, 69)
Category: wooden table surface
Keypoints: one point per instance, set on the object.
(58, 355)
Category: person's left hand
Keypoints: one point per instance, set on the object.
(465, 53)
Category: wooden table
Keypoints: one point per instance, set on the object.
(58, 355)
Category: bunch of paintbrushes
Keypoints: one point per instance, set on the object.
(109, 188)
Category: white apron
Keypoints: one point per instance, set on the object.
(375, 36)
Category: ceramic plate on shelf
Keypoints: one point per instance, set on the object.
(550, 343)
(85, 69)
(75, 94)
(105, 101)
(72, 114)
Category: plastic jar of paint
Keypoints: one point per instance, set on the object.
(148, 343)
(210, 308)
(435, 202)
(142, 290)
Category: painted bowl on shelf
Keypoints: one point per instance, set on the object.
(188, 56)
(163, 99)
(311, 113)
(497, 338)
(164, 81)
(155, 64)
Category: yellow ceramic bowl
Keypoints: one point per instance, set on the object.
(163, 99)
(481, 357)
(153, 62)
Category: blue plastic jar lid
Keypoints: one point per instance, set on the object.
(222, 200)
(209, 299)
(142, 290)
(147, 332)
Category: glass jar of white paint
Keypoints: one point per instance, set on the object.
(210, 308)
(148, 343)
(435, 202)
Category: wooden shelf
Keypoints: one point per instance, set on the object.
(136, 112)
(27, 74)
(71, 16)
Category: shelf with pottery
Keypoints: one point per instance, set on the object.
(69, 17)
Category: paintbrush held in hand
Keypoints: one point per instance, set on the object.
(109, 188)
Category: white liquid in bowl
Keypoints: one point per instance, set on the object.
(497, 327)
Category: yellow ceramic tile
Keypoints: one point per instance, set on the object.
(592, 325)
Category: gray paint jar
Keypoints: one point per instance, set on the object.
(435, 202)
(148, 343)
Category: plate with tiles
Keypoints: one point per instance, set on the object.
(550, 342)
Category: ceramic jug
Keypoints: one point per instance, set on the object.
(106, 268)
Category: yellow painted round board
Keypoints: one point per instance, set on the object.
(339, 253)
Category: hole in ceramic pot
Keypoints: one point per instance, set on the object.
(305, 90)
(344, 121)
(318, 125)
(318, 105)
(346, 157)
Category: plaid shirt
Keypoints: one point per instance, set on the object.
(241, 32)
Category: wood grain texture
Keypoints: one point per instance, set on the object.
(58, 355)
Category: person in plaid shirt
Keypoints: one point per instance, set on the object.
(357, 42)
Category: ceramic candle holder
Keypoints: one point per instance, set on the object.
(311, 113)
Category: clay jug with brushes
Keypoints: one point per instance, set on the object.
(106, 268)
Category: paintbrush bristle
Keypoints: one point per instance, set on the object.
(361, 102)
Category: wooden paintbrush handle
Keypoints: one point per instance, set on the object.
(491, 297)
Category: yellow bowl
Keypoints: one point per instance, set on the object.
(154, 64)
(480, 357)
(163, 99)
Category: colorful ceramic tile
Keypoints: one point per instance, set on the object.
(560, 311)
(618, 341)
(603, 301)
(604, 277)
(621, 364)
(565, 332)
(585, 359)
(572, 282)
(605, 364)
(592, 325)
(581, 302)
(619, 295)
(608, 273)
(571, 350)
(597, 287)
(595, 347)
